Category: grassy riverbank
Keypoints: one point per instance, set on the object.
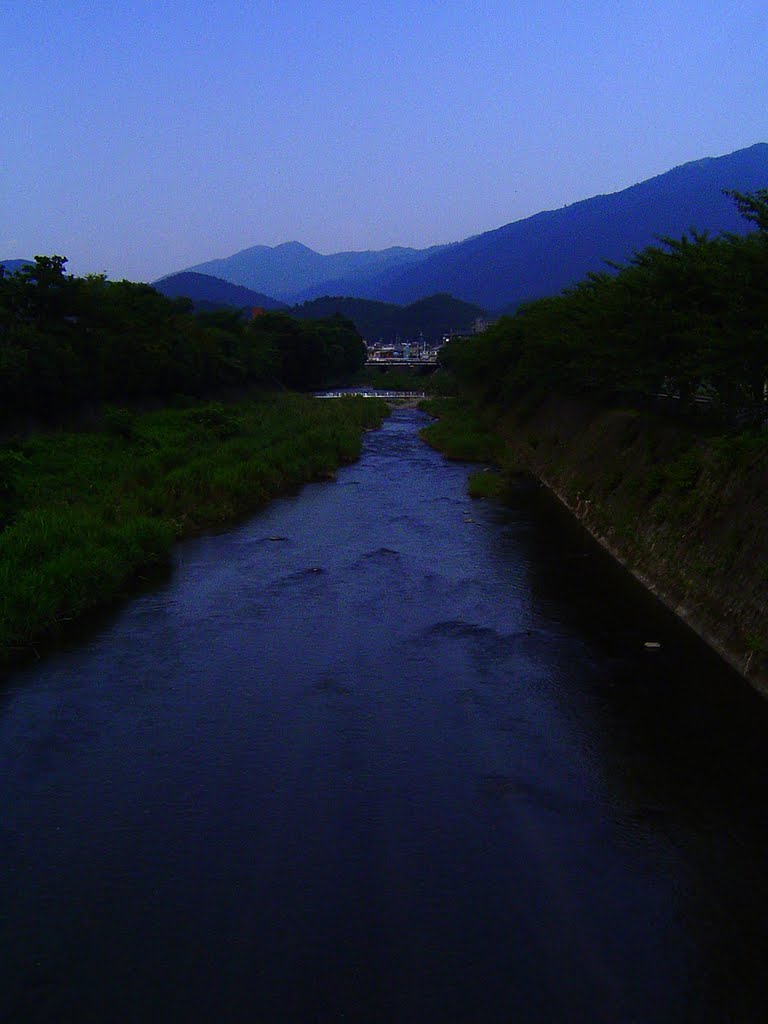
(468, 432)
(84, 513)
(685, 510)
(462, 430)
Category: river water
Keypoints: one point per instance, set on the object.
(385, 754)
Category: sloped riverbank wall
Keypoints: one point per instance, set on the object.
(687, 514)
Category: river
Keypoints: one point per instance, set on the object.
(384, 754)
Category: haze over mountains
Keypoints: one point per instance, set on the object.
(293, 273)
(495, 270)
(523, 260)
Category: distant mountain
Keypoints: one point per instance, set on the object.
(522, 260)
(547, 252)
(293, 272)
(208, 292)
(11, 266)
(432, 317)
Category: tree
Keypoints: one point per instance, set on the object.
(752, 205)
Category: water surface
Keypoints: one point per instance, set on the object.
(385, 754)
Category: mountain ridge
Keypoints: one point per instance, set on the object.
(291, 269)
(524, 259)
(542, 254)
(11, 266)
(209, 290)
(430, 317)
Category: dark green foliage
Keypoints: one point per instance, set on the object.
(67, 341)
(390, 378)
(740, 449)
(486, 484)
(685, 321)
(11, 462)
(120, 422)
(431, 317)
(310, 354)
(462, 431)
(753, 206)
(684, 472)
(91, 510)
(219, 420)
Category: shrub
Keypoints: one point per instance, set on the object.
(485, 484)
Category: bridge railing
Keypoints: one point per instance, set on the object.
(370, 393)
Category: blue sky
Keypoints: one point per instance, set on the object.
(139, 138)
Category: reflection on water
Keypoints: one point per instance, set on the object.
(372, 758)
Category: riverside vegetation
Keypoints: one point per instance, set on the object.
(67, 342)
(639, 398)
(103, 490)
(87, 511)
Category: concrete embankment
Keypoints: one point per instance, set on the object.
(687, 514)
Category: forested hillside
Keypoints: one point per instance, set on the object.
(522, 260)
(540, 255)
(66, 341)
(431, 317)
(207, 292)
(11, 266)
(640, 401)
(687, 319)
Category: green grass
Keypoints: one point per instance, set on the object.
(462, 431)
(84, 513)
(468, 432)
(486, 485)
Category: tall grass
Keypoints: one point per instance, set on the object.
(462, 431)
(84, 513)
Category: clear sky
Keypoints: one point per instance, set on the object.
(138, 138)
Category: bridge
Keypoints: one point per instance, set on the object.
(370, 393)
(385, 363)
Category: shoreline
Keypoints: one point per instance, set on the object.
(90, 512)
(685, 514)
